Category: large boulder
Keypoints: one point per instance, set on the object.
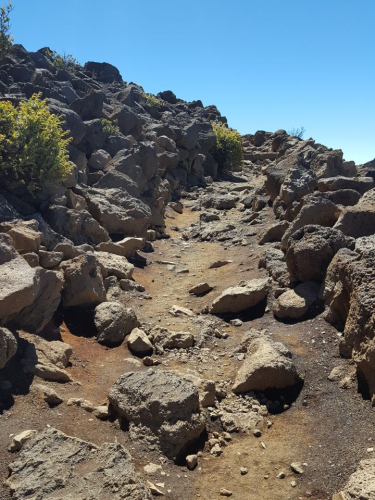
(118, 212)
(240, 298)
(359, 220)
(311, 249)
(83, 281)
(298, 182)
(73, 123)
(314, 210)
(296, 303)
(360, 184)
(268, 365)
(8, 346)
(47, 360)
(165, 403)
(47, 299)
(18, 281)
(115, 265)
(349, 296)
(54, 465)
(113, 322)
(78, 226)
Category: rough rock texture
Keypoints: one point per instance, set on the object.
(240, 298)
(295, 303)
(314, 211)
(359, 220)
(47, 360)
(115, 265)
(361, 484)
(47, 299)
(349, 296)
(113, 322)
(54, 465)
(311, 249)
(18, 281)
(83, 281)
(8, 346)
(268, 365)
(77, 226)
(163, 402)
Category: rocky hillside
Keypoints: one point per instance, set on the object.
(172, 329)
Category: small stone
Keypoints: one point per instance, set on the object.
(257, 433)
(244, 471)
(293, 484)
(225, 493)
(18, 441)
(216, 450)
(370, 450)
(191, 461)
(236, 322)
(297, 468)
(152, 468)
(263, 445)
(154, 489)
(281, 475)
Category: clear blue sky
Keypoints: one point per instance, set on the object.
(266, 64)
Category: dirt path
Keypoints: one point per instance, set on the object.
(327, 428)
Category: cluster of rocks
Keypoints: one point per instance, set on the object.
(319, 251)
(70, 245)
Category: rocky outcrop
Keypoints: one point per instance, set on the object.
(359, 220)
(311, 249)
(54, 464)
(350, 297)
(163, 402)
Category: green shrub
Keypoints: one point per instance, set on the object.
(66, 61)
(6, 39)
(152, 100)
(228, 148)
(110, 127)
(33, 145)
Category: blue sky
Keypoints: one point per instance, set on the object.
(266, 64)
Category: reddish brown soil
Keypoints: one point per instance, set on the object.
(326, 427)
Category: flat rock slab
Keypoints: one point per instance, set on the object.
(47, 360)
(201, 288)
(52, 465)
(240, 298)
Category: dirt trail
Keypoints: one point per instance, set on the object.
(326, 427)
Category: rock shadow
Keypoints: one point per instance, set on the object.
(13, 380)
(79, 320)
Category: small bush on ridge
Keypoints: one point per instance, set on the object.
(66, 61)
(228, 148)
(33, 145)
(152, 100)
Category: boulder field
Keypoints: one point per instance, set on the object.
(168, 328)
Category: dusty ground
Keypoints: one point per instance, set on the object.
(327, 428)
